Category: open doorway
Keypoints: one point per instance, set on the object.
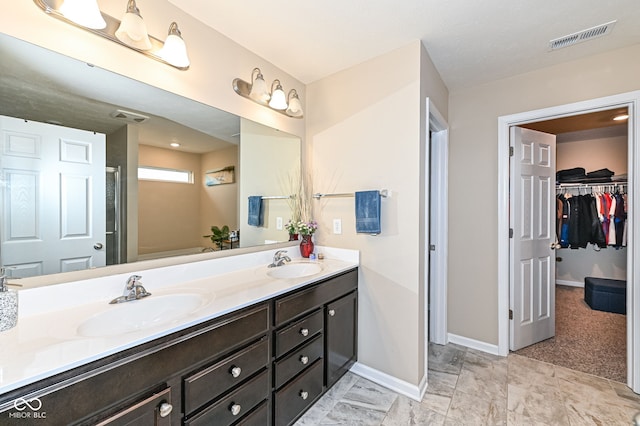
(630, 100)
(588, 218)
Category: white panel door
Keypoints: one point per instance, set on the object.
(532, 207)
(53, 198)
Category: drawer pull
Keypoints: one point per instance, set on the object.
(332, 312)
(236, 371)
(165, 409)
(304, 359)
(304, 332)
(304, 394)
(235, 409)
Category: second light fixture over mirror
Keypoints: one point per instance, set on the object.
(273, 97)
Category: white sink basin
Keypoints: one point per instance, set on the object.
(295, 270)
(141, 314)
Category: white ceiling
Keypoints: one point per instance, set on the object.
(470, 42)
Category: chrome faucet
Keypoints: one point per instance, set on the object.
(133, 290)
(279, 258)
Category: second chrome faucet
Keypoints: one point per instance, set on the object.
(133, 290)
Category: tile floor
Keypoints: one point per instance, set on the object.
(468, 387)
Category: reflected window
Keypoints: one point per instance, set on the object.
(165, 175)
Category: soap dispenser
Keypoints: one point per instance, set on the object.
(8, 304)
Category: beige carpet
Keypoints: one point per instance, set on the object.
(586, 340)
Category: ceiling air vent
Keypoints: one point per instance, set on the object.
(580, 36)
(128, 116)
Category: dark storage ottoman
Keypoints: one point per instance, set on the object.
(604, 294)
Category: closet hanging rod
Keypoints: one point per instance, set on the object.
(589, 185)
(278, 197)
(317, 196)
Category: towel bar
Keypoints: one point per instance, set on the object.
(317, 196)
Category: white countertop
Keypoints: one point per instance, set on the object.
(46, 341)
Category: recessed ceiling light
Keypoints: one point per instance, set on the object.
(174, 144)
(621, 117)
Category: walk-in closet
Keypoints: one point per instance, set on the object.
(591, 188)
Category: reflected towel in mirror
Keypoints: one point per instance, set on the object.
(256, 216)
(368, 212)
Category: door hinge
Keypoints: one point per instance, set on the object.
(510, 151)
(432, 247)
(510, 314)
(510, 232)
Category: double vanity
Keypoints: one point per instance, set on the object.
(217, 342)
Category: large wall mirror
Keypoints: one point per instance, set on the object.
(90, 177)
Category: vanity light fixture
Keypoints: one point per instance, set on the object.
(276, 99)
(131, 32)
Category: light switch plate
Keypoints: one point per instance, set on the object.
(337, 226)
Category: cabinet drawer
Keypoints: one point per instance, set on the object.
(298, 332)
(211, 382)
(289, 307)
(234, 406)
(155, 410)
(293, 399)
(258, 417)
(288, 367)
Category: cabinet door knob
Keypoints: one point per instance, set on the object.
(236, 371)
(304, 332)
(304, 359)
(235, 409)
(332, 312)
(304, 394)
(165, 409)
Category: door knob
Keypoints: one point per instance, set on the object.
(98, 246)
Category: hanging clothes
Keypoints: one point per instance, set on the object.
(598, 219)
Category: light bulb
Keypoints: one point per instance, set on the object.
(133, 30)
(83, 12)
(278, 98)
(174, 50)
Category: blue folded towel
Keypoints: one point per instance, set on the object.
(256, 216)
(368, 212)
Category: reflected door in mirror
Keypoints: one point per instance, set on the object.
(53, 198)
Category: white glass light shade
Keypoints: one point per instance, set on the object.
(174, 50)
(83, 12)
(295, 107)
(132, 30)
(259, 91)
(278, 98)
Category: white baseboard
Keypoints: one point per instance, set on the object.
(570, 283)
(474, 344)
(393, 383)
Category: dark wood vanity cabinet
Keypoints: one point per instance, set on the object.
(315, 343)
(261, 365)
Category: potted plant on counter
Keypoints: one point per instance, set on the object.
(218, 235)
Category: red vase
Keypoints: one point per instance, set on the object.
(293, 237)
(306, 246)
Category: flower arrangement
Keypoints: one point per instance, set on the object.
(291, 227)
(307, 228)
(301, 227)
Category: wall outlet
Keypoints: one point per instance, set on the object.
(279, 224)
(337, 226)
